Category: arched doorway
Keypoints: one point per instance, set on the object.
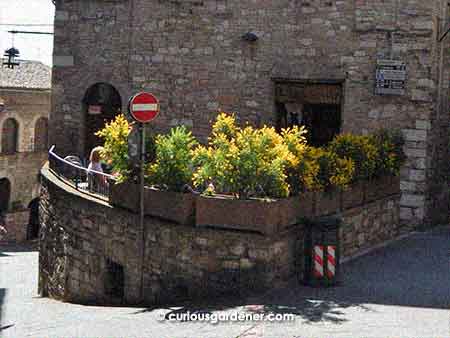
(101, 103)
(5, 195)
(33, 222)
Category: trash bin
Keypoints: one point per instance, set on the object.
(321, 251)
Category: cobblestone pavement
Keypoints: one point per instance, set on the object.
(402, 290)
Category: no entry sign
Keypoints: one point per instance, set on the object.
(144, 107)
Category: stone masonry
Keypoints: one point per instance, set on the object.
(25, 95)
(80, 234)
(192, 56)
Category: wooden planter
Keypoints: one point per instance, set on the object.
(328, 203)
(263, 216)
(307, 204)
(382, 187)
(124, 195)
(172, 206)
(353, 196)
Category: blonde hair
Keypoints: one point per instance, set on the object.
(95, 154)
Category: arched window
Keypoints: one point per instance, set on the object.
(41, 134)
(10, 136)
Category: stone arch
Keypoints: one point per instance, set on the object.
(41, 134)
(10, 136)
(5, 195)
(101, 103)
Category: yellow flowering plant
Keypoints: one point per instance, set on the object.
(172, 168)
(390, 150)
(115, 147)
(361, 150)
(243, 161)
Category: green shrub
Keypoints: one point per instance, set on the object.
(361, 150)
(115, 147)
(172, 168)
(243, 161)
(390, 152)
(330, 170)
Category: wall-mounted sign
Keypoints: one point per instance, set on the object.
(95, 110)
(390, 77)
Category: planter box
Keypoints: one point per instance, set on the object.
(328, 203)
(172, 206)
(307, 204)
(124, 195)
(263, 216)
(382, 187)
(354, 195)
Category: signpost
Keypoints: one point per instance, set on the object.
(390, 77)
(143, 107)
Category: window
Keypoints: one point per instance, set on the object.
(10, 136)
(316, 106)
(41, 135)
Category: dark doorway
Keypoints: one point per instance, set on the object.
(316, 106)
(114, 281)
(102, 102)
(33, 222)
(5, 195)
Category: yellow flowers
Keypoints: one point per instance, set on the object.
(115, 148)
(257, 162)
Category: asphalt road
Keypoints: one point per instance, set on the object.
(402, 290)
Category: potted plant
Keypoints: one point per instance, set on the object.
(246, 168)
(362, 151)
(169, 177)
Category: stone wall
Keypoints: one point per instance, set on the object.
(192, 56)
(15, 224)
(26, 106)
(80, 234)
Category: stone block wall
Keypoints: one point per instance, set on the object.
(191, 55)
(15, 224)
(80, 234)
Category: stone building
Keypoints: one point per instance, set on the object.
(24, 110)
(273, 62)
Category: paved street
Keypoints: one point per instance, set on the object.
(402, 290)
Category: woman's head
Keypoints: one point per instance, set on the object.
(95, 154)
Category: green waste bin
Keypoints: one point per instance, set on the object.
(321, 251)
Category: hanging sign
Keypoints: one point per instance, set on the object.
(94, 110)
(390, 77)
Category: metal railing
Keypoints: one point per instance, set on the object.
(83, 179)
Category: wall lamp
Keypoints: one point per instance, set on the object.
(249, 36)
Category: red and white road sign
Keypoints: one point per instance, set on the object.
(319, 262)
(144, 107)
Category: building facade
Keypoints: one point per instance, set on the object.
(315, 62)
(25, 106)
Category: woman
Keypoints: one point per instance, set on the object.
(95, 179)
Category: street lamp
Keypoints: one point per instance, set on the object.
(11, 54)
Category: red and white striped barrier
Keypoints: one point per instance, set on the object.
(331, 261)
(319, 261)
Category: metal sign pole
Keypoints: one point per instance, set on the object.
(141, 200)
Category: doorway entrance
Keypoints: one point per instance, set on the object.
(101, 104)
(33, 221)
(5, 195)
(316, 106)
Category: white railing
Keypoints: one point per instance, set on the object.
(71, 170)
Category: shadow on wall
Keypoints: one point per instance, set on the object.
(411, 273)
